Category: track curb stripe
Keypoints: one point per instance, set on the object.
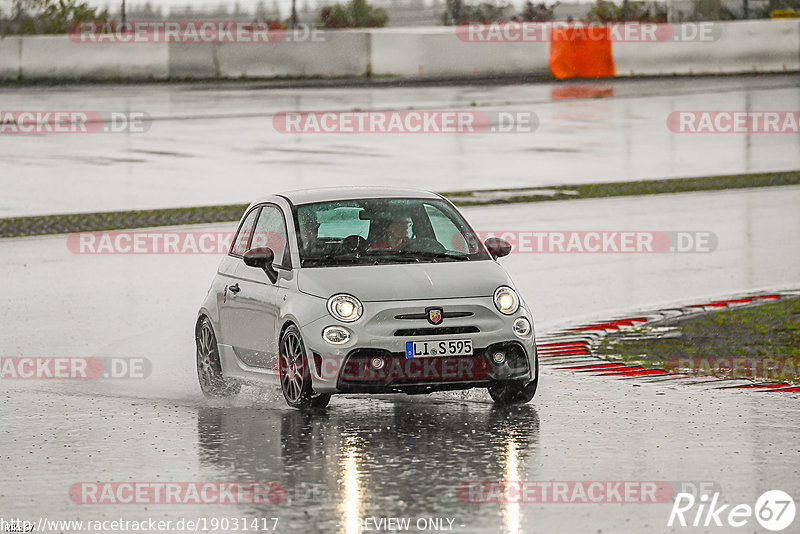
(563, 352)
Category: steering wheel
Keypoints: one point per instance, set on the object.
(354, 243)
(423, 244)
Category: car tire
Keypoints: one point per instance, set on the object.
(320, 401)
(209, 367)
(294, 372)
(512, 392)
(509, 392)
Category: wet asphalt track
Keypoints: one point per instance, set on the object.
(394, 455)
(397, 456)
(216, 144)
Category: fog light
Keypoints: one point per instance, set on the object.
(499, 357)
(377, 363)
(336, 335)
(522, 327)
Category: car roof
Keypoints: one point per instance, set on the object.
(308, 196)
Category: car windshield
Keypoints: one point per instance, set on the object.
(384, 231)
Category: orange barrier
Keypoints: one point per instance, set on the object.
(581, 52)
(581, 91)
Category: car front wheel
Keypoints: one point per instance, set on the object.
(295, 374)
(509, 392)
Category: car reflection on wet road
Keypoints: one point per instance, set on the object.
(394, 460)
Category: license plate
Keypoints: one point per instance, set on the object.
(445, 347)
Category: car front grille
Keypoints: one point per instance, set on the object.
(424, 316)
(440, 331)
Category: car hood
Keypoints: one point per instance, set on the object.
(417, 281)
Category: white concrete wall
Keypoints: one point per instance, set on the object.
(56, 56)
(10, 58)
(738, 47)
(745, 46)
(187, 61)
(342, 53)
(439, 52)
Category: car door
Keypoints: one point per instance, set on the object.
(253, 310)
(230, 272)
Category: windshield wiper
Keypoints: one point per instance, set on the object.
(382, 256)
(433, 255)
(332, 259)
(390, 258)
(356, 259)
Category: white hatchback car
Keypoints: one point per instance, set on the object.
(363, 290)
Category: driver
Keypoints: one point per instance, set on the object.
(390, 234)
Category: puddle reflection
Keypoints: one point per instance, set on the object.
(402, 460)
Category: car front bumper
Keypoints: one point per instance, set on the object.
(383, 331)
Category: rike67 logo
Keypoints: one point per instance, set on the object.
(774, 510)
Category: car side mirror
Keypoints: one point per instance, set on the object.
(497, 247)
(262, 258)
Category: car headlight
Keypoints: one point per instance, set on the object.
(345, 308)
(522, 327)
(506, 300)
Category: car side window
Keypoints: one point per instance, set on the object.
(241, 243)
(270, 232)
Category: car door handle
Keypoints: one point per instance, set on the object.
(234, 288)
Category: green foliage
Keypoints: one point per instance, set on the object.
(489, 12)
(540, 12)
(607, 11)
(483, 12)
(353, 14)
(49, 16)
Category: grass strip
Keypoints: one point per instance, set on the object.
(621, 189)
(758, 342)
(118, 220)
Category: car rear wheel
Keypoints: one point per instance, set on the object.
(209, 368)
(295, 374)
